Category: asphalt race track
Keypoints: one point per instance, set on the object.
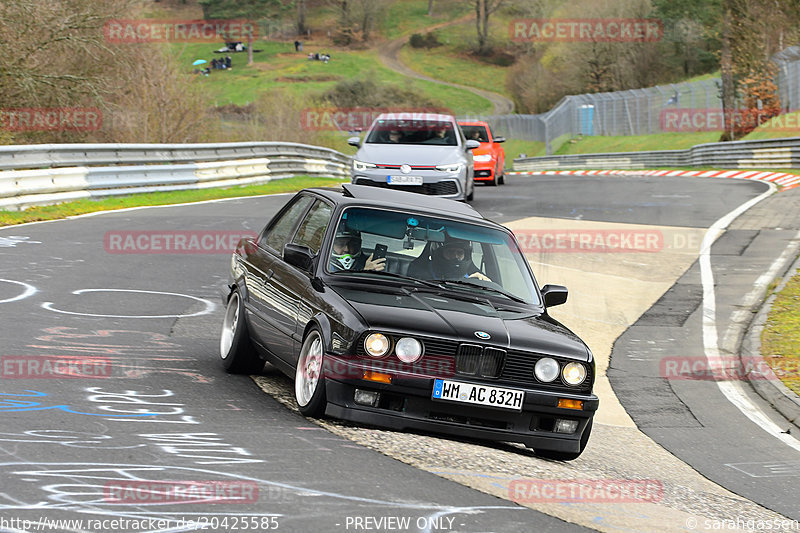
(159, 408)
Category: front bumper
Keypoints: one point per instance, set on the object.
(485, 171)
(406, 404)
(435, 183)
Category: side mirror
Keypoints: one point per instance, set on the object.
(499, 139)
(554, 295)
(472, 144)
(354, 141)
(299, 256)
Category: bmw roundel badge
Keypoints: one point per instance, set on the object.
(483, 335)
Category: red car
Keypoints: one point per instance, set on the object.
(489, 158)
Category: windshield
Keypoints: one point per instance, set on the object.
(406, 246)
(477, 133)
(402, 131)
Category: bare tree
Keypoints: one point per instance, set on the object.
(483, 10)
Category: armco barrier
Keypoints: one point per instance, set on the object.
(769, 153)
(147, 168)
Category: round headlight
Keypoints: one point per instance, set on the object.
(574, 373)
(546, 369)
(377, 344)
(408, 350)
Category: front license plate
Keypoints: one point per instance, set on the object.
(404, 180)
(456, 391)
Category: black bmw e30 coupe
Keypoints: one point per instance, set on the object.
(408, 312)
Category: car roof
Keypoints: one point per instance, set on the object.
(472, 123)
(350, 193)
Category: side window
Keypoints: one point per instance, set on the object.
(312, 230)
(277, 234)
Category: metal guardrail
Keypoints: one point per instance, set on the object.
(73, 155)
(766, 154)
(136, 168)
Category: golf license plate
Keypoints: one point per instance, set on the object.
(404, 180)
(457, 391)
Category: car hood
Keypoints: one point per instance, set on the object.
(436, 314)
(417, 154)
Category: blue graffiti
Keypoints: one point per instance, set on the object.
(8, 405)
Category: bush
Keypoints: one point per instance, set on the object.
(428, 40)
(369, 93)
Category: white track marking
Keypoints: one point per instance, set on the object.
(732, 390)
(210, 306)
(30, 290)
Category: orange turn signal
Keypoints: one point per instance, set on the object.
(377, 376)
(570, 404)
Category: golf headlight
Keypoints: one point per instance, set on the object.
(546, 369)
(483, 158)
(574, 373)
(377, 344)
(455, 167)
(361, 165)
(408, 350)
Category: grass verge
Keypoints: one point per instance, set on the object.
(780, 338)
(636, 143)
(80, 207)
(786, 125)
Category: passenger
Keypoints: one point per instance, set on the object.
(346, 253)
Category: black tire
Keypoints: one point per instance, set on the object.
(471, 194)
(568, 456)
(501, 179)
(237, 353)
(309, 381)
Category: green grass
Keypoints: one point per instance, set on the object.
(79, 207)
(787, 125)
(514, 147)
(703, 77)
(448, 65)
(279, 66)
(636, 143)
(780, 339)
(411, 16)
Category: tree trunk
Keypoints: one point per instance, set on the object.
(480, 9)
(430, 8)
(726, 73)
(249, 48)
(301, 17)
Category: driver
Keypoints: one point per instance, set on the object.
(454, 260)
(346, 253)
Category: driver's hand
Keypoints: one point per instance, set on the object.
(480, 275)
(377, 264)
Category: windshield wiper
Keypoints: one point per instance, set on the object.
(485, 288)
(398, 276)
